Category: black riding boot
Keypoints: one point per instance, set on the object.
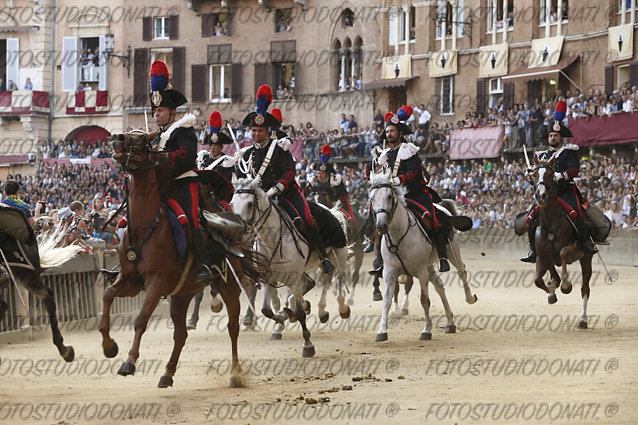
(326, 265)
(204, 276)
(584, 241)
(531, 236)
(377, 263)
(440, 241)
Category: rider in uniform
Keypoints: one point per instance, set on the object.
(221, 166)
(566, 167)
(278, 177)
(405, 164)
(178, 140)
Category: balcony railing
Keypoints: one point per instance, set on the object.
(22, 102)
(87, 102)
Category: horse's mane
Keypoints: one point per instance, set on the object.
(245, 183)
(399, 191)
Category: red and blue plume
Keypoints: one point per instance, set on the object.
(263, 99)
(214, 122)
(158, 76)
(560, 110)
(387, 116)
(276, 112)
(404, 112)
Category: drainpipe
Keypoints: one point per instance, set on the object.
(52, 97)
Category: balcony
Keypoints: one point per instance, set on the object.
(24, 102)
(88, 102)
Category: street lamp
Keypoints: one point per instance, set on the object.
(109, 49)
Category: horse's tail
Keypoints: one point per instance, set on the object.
(449, 205)
(341, 217)
(50, 254)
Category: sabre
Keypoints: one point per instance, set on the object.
(232, 135)
(529, 167)
(243, 291)
(146, 121)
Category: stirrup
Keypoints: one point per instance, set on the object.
(531, 257)
(327, 266)
(369, 246)
(204, 275)
(378, 272)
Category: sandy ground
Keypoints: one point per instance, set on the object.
(514, 360)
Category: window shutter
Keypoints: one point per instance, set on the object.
(207, 24)
(508, 96)
(609, 79)
(633, 74)
(199, 83)
(236, 82)
(147, 28)
(140, 76)
(262, 74)
(69, 64)
(179, 68)
(173, 27)
(13, 62)
(290, 50)
(532, 92)
(480, 96)
(276, 51)
(103, 64)
(392, 27)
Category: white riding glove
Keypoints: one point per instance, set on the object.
(276, 190)
(395, 181)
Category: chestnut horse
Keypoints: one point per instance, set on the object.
(556, 240)
(150, 262)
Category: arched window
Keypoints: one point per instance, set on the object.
(347, 18)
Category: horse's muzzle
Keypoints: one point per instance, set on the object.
(382, 224)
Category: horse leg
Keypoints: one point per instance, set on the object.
(390, 279)
(192, 322)
(148, 307)
(426, 334)
(376, 293)
(179, 308)
(405, 303)
(356, 269)
(541, 269)
(249, 320)
(566, 284)
(585, 266)
(340, 258)
(296, 301)
(325, 285)
(450, 327)
(117, 289)
(36, 286)
(266, 310)
(459, 265)
(230, 294)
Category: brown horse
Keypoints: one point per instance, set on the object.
(149, 261)
(556, 241)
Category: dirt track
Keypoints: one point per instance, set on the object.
(514, 359)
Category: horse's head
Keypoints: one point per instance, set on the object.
(249, 200)
(543, 175)
(132, 150)
(384, 199)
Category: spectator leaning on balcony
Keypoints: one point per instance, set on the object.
(11, 86)
(28, 85)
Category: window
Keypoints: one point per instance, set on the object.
(164, 55)
(627, 4)
(347, 18)
(496, 92)
(623, 76)
(160, 28)
(283, 20)
(89, 59)
(398, 16)
(284, 80)
(447, 94)
(553, 12)
(445, 13)
(219, 83)
(509, 15)
(217, 24)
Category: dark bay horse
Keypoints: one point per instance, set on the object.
(150, 262)
(38, 255)
(556, 241)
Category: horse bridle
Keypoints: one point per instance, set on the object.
(550, 190)
(395, 201)
(264, 215)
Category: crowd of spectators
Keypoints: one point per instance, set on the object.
(75, 149)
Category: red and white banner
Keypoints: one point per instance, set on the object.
(88, 102)
(473, 143)
(24, 102)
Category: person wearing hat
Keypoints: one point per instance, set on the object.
(326, 174)
(566, 167)
(177, 138)
(221, 166)
(406, 168)
(278, 177)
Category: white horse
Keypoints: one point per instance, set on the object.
(407, 251)
(290, 256)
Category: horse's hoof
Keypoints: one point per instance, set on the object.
(582, 324)
(248, 322)
(450, 329)
(552, 299)
(425, 336)
(165, 382)
(275, 336)
(404, 312)
(126, 369)
(566, 290)
(235, 382)
(472, 300)
(306, 307)
(376, 296)
(69, 354)
(346, 314)
(323, 318)
(381, 337)
(308, 351)
(112, 351)
(216, 305)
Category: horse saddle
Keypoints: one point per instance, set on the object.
(226, 228)
(13, 222)
(14, 252)
(329, 227)
(459, 222)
